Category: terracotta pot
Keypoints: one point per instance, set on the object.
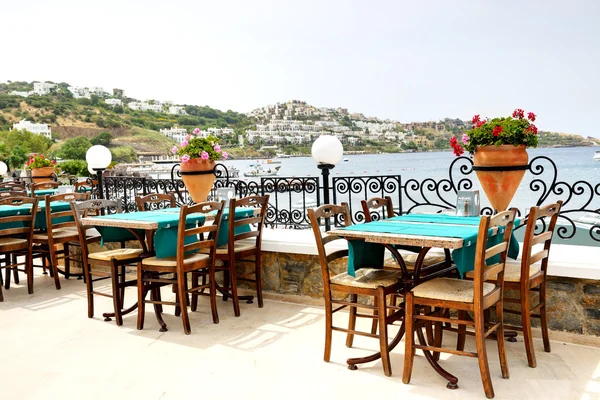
(500, 185)
(198, 185)
(44, 174)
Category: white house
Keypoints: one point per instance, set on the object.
(97, 90)
(37, 129)
(42, 88)
(22, 94)
(173, 132)
(114, 102)
(177, 110)
(79, 92)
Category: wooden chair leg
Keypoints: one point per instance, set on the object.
(438, 333)
(328, 327)
(1, 295)
(213, 295)
(409, 337)
(54, 268)
(89, 287)
(351, 321)
(258, 276)
(194, 305)
(29, 271)
(462, 331)
(428, 327)
(181, 276)
(66, 252)
(484, 368)
(233, 281)
(114, 276)
(141, 291)
(7, 275)
(544, 318)
(526, 323)
(375, 322)
(15, 271)
(500, 340)
(122, 271)
(226, 282)
(383, 336)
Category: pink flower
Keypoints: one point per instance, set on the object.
(185, 158)
(465, 138)
(184, 143)
(174, 149)
(196, 131)
(225, 155)
(217, 148)
(188, 137)
(204, 155)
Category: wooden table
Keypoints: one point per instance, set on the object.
(390, 241)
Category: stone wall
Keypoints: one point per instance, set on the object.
(573, 304)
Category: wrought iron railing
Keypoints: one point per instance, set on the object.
(290, 197)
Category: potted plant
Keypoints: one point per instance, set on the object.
(198, 155)
(42, 169)
(499, 156)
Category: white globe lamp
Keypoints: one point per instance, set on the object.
(3, 168)
(327, 151)
(98, 158)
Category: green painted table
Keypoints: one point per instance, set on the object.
(159, 227)
(43, 192)
(40, 218)
(458, 234)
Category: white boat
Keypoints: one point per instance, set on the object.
(257, 171)
(280, 155)
(597, 155)
(345, 160)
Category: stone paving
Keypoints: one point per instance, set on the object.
(51, 350)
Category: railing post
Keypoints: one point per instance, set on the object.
(325, 173)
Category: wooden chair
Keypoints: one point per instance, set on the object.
(83, 186)
(12, 185)
(15, 237)
(372, 282)
(529, 275)
(155, 201)
(191, 256)
(475, 296)
(240, 246)
(46, 185)
(109, 264)
(61, 230)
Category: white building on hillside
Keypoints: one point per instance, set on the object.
(175, 133)
(177, 110)
(42, 88)
(145, 106)
(114, 102)
(79, 92)
(37, 129)
(17, 93)
(97, 90)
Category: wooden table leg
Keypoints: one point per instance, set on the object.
(361, 360)
(452, 380)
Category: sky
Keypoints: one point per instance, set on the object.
(397, 59)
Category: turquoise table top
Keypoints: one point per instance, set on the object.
(363, 254)
(43, 192)
(165, 237)
(40, 218)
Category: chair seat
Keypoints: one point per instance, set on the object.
(450, 289)
(369, 278)
(60, 233)
(239, 246)
(119, 254)
(172, 261)
(512, 271)
(411, 258)
(12, 242)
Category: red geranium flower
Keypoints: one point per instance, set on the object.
(53, 162)
(518, 113)
(453, 141)
(497, 130)
(531, 116)
(479, 123)
(458, 150)
(475, 119)
(532, 129)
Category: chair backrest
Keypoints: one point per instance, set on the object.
(61, 219)
(43, 186)
(337, 213)
(80, 186)
(86, 208)
(13, 193)
(256, 202)
(544, 217)
(12, 185)
(21, 225)
(375, 203)
(495, 230)
(205, 235)
(155, 201)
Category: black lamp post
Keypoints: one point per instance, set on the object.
(327, 151)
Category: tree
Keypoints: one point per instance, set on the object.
(74, 149)
(102, 138)
(17, 158)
